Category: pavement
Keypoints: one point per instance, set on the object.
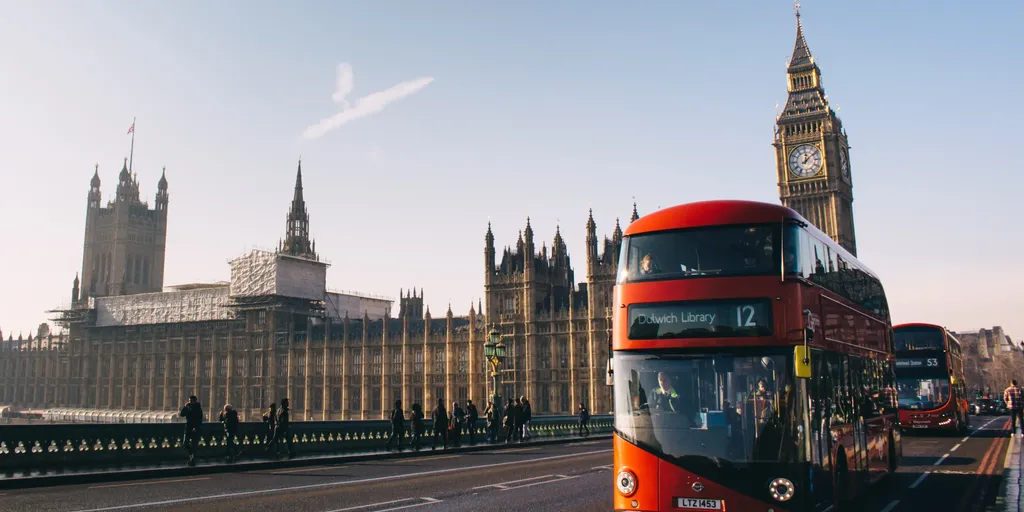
(962, 473)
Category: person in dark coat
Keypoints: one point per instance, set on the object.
(229, 418)
(584, 424)
(284, 431)
(397, 425)
(472, 415)
(193, 414)
(511, 413)
(527, 416)
(458, 421)
(270, 419)
(417, 425)
(492, 423)
(440, 425)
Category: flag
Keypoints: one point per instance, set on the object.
(131, 128)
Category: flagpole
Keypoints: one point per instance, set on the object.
(131, 152)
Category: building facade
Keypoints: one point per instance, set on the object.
(991, 359)
(275, 331)
(812, 152)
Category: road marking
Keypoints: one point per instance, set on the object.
(517, 450)
(920, 479)
(505, 484)
(953, 449)
(1008, 462)
(941, 459)
(135, 484)
(892, 504)
(590, 443)
(341, 483)
(337, 466)
(964, 440)
(426, 501)
(609, 466)
(560, 479)
(953, 472)
(988, 461)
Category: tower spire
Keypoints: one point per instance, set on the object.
(801, 52)
(297, 241)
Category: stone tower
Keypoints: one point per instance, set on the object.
(411, 305)
(297, 241)
(124, 241)
(812, 152)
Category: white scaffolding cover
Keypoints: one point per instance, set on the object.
(198, 305)
(262, 273)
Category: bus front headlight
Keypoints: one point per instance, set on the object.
(781, 489)
(626, 482)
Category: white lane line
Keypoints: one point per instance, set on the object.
(135, 484)
(323, 485)
(609, 466)
(506, 484)
(892, 504)
(941, 460)
(953, 472)
(426, 501)
(953, 449)
(964, 440)
(563, 477)
(920, 479)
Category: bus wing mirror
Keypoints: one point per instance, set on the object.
(802, 361)
(809, 334)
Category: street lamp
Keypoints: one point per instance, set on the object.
(494, 353)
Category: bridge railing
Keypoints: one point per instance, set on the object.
(45, 448)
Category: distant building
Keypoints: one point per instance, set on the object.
(991, 359)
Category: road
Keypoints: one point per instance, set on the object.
(939, 473)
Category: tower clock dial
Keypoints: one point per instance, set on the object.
(805, 161)
(844, 164)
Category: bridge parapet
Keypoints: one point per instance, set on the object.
(41, 449)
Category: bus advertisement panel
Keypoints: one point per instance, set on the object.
(752, 363)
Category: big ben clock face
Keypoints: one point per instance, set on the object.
(805, 161)
(844, 164)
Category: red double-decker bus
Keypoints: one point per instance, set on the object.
(930, 378)
(752, 364)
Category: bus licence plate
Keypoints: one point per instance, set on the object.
(698, 504)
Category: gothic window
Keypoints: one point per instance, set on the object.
(318, 366)
(396, 362)
(376, 366)
(282, 366)
(357, 362)
(300, 365)
(239, 370)
(417, 366)
(222, 366)
(463, 364)
(207, 364)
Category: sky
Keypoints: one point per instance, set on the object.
(453, 114)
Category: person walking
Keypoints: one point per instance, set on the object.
(458, 420)
(472, 415)
(270, 419)
(1012, 397)
(193, 414)
(229, 418)
(527, 416)
(397, 425)
(584, 424)
(440, 418)
(492, 424)
(284, 430)
(510, 420)
(417, 425)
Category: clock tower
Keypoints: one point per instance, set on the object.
(811, 151)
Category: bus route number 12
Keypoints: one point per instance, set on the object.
(745, 316)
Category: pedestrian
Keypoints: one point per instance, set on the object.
(1012, 397)
(270, 420)
(519, 419)
(284, 431)
(527, 416)
(584, 424)
(510, 421)
(440, 418)
(472, 416)
(458, 420)
(229, 418)
(193, 414)
(492, 425)
(417, 425)
(397, 425)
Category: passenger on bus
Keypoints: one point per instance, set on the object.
(647, 266)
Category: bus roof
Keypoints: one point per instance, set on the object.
(730, 211)
(918, 324)
(711, 213)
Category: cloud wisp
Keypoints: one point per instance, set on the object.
(367, 105)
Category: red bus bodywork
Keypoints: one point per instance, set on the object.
(953, 414)
(840, 326)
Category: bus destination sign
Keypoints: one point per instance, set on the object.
(918, 362)
(700, 319)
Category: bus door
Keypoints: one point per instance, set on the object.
(859, 450)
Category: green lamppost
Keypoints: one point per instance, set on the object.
(494, 353)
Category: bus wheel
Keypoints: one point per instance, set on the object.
(961, 424)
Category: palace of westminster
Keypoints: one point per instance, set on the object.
(274, 330)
